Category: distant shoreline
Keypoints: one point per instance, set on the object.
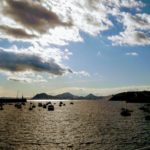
(130, 97)
(65, 96)
(12, 100)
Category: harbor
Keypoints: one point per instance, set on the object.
(82, 125)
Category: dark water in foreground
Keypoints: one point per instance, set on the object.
(86, 125)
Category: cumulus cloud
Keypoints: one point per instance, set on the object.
(129, 3)
(15, 32)
(32, 15)
(81, 73)
(60, 22)
(132, 54)
(52, 18)
(24, 20)
(137, 21)
(44, 23)
(26, 77)
(136, 30)
(129, 37)
(19, 62)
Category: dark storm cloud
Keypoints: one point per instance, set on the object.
(15, 32)
(32, 15)
(17, 62)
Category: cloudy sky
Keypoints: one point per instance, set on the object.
(54, 46)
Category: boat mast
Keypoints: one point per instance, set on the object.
(17, 94)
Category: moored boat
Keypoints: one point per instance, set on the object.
(44, 105)
(125, 112)
(50, 107)
(40, 104)
(71, 103)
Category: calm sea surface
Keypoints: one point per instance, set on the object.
(86, 125)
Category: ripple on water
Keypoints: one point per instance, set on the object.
(85, 125)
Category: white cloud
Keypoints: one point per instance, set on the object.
(136, 30)
(21, 61)
(26, 77)
(132, 54)
(81, 73)
(44, 23)
(28, 65)
(22, 64)
(82, 15)
(136, 22)
(131, 37)
(59, 22)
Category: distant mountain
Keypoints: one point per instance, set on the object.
(66, 95)
(134, 97)
(42, 96)
(92, 96)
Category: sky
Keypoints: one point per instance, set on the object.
(87, 46)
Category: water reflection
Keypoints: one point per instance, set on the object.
(84, 125)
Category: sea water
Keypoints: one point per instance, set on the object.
(85, 125)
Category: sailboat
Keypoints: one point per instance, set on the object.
(13, 100)
(125, 112)
(30, 108)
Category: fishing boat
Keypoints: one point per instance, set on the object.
(51, 108)
(71, 103)
(125, 112)
(44, 105)
(18, 105)
(40, 105)
(30, 108)
(60, 103)
(33, 106)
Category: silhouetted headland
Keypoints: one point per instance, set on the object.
(67, 95)
(132, 97)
